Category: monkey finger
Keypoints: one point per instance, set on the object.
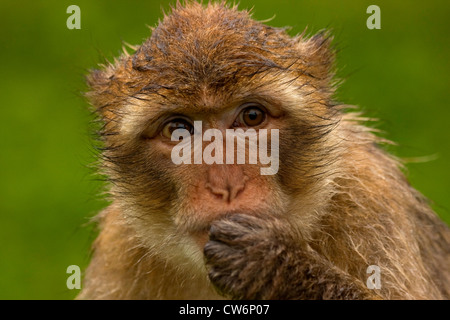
(236, 230)
(224, 231)
(250, 221)
(215, 251)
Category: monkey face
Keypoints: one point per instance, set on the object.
(189, 194)
(221, 181)
(227, 74)
(212, 180)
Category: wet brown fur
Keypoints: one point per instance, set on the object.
(340, 203)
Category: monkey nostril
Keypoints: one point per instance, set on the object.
(219, 192)
(235, 190)
(238, 188)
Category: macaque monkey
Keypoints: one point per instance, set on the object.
(337, 204)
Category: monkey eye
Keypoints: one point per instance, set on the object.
(251, 116)
(175, 124)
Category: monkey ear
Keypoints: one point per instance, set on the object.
(319, 55)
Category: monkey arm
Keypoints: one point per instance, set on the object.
(262, 258)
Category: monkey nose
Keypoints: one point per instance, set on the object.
(226, 184)
(228, 193)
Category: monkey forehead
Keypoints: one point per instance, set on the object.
(214, 44)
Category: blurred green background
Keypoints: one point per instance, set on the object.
(399, 74)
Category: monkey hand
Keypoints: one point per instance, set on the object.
(251, 257)
(246, 254)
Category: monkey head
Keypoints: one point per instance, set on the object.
(218, 67)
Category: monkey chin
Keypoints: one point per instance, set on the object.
(200, 233)
(200, 238)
